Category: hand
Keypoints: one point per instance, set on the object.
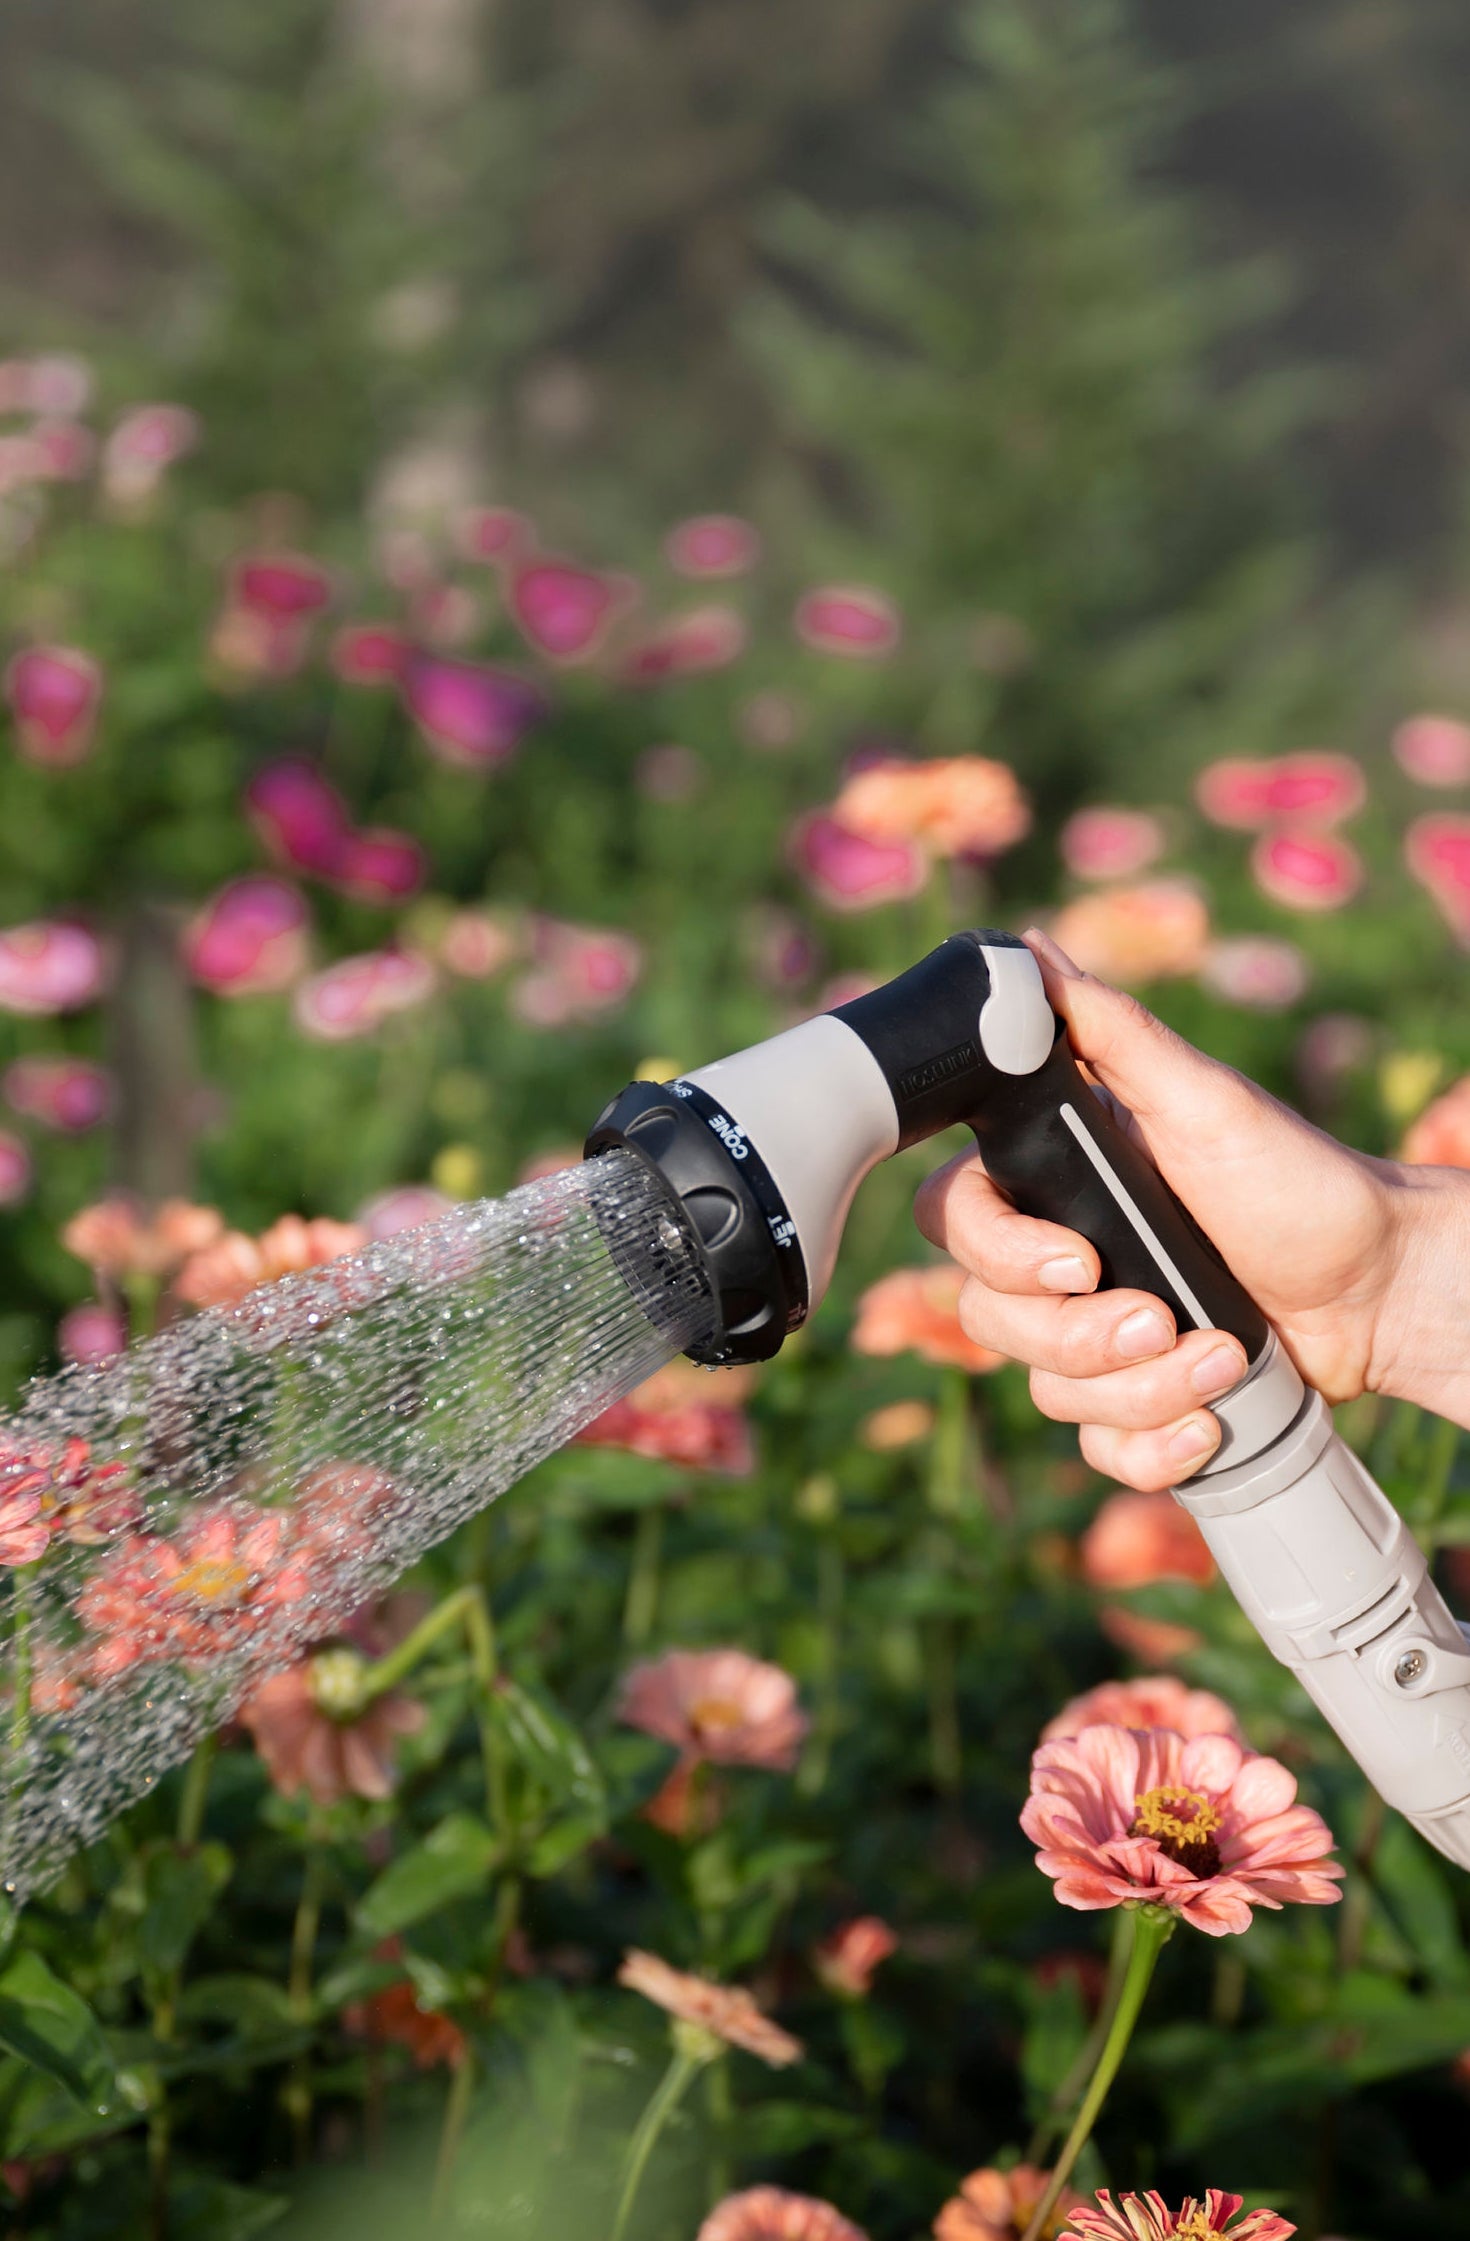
(1362, 1265)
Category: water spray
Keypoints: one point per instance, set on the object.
(222, 1497)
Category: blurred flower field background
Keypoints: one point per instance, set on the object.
(405, 741)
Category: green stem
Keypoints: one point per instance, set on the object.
(816, 1761)
(456, 2114)
(1064, 2099)
(640, 1605)
(304, 1929)
(946, 1757)
(195, 1794)
(664, 2100)
(950, 1446)
(1352, 1921)
(1151, 1931)
(721, 2110)
(455, 1610)
(21, 1666)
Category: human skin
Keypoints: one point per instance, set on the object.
(1362, 1265)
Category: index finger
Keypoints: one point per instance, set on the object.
(961, 1210)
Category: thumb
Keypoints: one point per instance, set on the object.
(1184, 1103)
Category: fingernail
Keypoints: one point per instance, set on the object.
(1069, 1274)
(1053, 952)
(1195, 1438)
(1214, 1373)
(1142, 1333)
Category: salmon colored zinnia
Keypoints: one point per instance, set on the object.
(1147, 2217)
(1198, 1825)
(772, 2214)
(1153, 1700)
(725, 2011)
(1137, 1538)
(958, 805)
(306, 1745)
(999, 2205)
(723, 1706)
(1159, 927)
(845, 1962)
(1440, 1137)
(222, 1274)
(916, 1310)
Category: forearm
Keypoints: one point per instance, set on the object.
(1422, 1344)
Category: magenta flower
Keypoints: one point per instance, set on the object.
(1306, 870)
(579, 972)
(688, 645)
(354, 996)
(381, 866)
(1433, 750)
(54, 693)
(250, 938)
(1316, 787)
(1257, 972)
(369, 654)
(63, 450)
(15, 1169)
(1437, 852)
(848, 872)
(47, 967)
(57, 384)
(407, 1207)
(286, 586)
(142, 447)
(301, 818)
(1108, 843)
(90, 1333)
(562, 610)
(712, 545)
(70, 1095)
(852, 620)
(492, 533)
(470, 714)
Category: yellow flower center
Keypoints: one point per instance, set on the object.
(1196, 2227)
(212, 1580)
(715, 1715)
(1182, 1823)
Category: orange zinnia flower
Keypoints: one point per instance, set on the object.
(306, 1746)
(1133, 934)
(846, 1960)
(998, 2206)
(682, 1414)
(771, 2214)
(725, 2011)
(1154, 1700)
(1136, 1539)
(720, 1705)
(394, 2018)
(224, 1272)
(916, 1310)
(118, 1239)
(1146, 2217)
(958, 805)
(1201, 1826)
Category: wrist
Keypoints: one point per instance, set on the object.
(1421, 1350)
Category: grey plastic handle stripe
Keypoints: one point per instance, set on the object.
(1136, 1218)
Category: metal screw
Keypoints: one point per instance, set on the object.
(1410, 1668)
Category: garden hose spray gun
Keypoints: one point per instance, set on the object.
(761, 1154)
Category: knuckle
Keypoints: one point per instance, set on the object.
(1046, 1394)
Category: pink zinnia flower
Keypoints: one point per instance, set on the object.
(47, 967)
(284, 586)
(1257, 972)
(477, 944)
(1316, 788)
(998, 2205)
(300, 815)
(1147, 2217)
(57, 382)
(1198, 1825)
(206, 1594)
(90, 1333)
(63, 450)
(562, 610)
(407, 1207)
(688, 645)
(722, 1706)
(15, 1169)
(307, 1745)
(852, 620)
(579, 973)
(1433, 750)
(469, 713)
(378, 865)
(54, 693)
(141, 448)
(956, 805)
(25, 1535)
(712, 545)
(1437, 852)
(491, 533)
(1136, 1539)
(1154, 1700)
(773, 2214)
(1305, 870)
(355, 996)
(1106, 843)
(250, 939)
(369, 654)
(82, 1501)
(725, 2011)
(916, 1311)
(848, 872)
(682, 1414)
(70, 1095)
(1158, 928)
(846, 1961)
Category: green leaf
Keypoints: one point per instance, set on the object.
(180, 1886)
(561, 1841)
(53, 2029)
(453, 1862)
(203, 2209)
(781, 2128)
(1414, 1884)
(548, 1747)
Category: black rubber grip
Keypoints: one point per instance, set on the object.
(1031, 1129)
